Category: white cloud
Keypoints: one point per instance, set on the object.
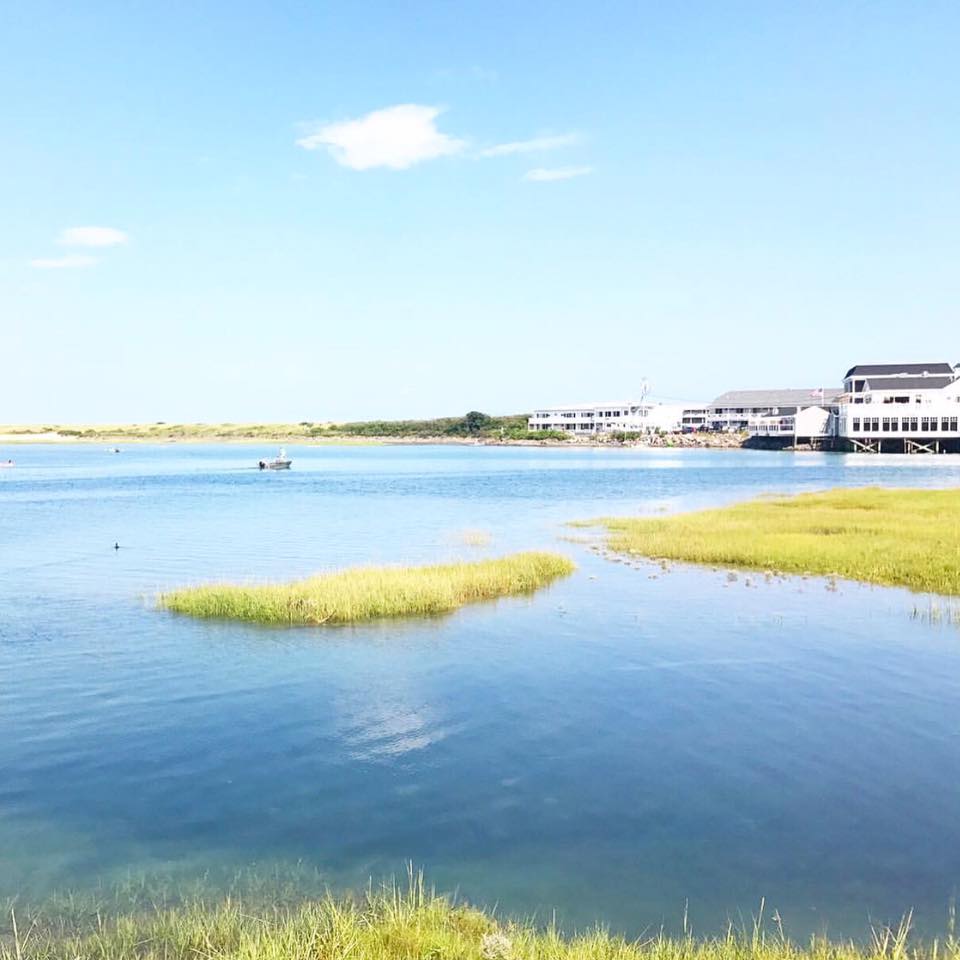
(92, 237)
(531, 146)
(395, 137)
(547, 174)
(67, 262)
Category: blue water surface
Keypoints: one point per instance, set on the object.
(624, 743)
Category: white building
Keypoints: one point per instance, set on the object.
(695, 418)
(748, 409)
(909, 407)
(644, 416)
(807, 425)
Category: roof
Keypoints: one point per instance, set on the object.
(808, 397)
(613, 405)
(889, 369)
(909, 383)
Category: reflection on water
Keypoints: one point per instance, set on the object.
(630, 739)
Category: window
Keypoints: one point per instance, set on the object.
(925, 425)
(913, 424)
(953, 424)
(856, 424)
(886, 424)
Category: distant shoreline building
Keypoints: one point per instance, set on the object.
(744, 409)
(635, 416)
(909, 408)
(881, 408)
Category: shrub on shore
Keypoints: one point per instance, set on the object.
(368, 593)
(906, 538)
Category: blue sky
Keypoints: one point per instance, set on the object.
(316, 211)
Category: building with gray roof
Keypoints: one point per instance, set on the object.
(739, 409)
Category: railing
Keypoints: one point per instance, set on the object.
(773, 428)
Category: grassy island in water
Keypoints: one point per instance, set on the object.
(369, 593)
(904, 538)
(394, 925)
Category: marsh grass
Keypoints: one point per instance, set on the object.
(937, 614)
(403, 923)
(475, 538)
(906, 538)
(369, 593)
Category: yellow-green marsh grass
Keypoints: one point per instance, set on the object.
(402, 924)
(475, 538)
(370, 593)
(904, 538)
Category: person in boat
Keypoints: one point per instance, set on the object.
(262, 465)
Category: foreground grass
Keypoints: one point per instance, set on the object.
(906, 538)
(393, 924)
(368, 593)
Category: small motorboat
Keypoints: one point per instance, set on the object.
(7, 463)
(279, 462)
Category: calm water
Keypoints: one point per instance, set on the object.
(619, 744)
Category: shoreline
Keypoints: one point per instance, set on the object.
(718, 441)
(398, 922)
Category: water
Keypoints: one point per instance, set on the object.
(620, 744)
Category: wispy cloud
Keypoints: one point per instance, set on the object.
(533, 145)
(549, 174)
(92, 237)
(68, 262)
(395, 137)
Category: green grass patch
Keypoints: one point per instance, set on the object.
(394, 923)
(370, 593)
(903, 538)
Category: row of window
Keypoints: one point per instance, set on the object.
(869, 399)
(582, 414)
(904, 424)
(573, 426)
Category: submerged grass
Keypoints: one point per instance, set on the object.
(368, 593)
(906, 538)
(402, 924)
(475, 538)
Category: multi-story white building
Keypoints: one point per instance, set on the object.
(909, 407)
(695, 418)
(750, 409)
(883, 408)
(644, 416)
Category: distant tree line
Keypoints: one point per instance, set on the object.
(472, 424)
